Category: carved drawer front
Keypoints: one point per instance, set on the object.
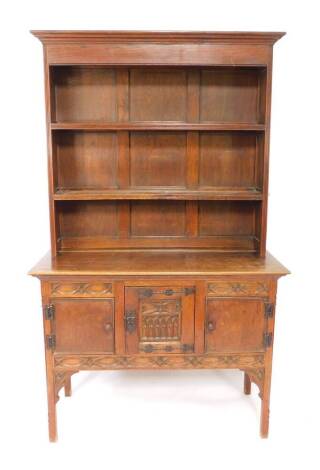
(238, 289)
(235, 325)
(83, 326)
(159, 319)
(81, 289)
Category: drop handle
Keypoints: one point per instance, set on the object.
(211, 326)
(107, 327)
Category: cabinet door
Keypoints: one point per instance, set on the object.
(159, 319)
(84, 326)
(235, 325)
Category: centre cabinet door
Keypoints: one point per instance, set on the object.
(84, 326)
(159, 319)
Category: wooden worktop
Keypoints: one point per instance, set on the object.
(137, 263)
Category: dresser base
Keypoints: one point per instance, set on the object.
(174, 311)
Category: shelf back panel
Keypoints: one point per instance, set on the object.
(220, 225)
(215, 94)
(82, 94)
(164, 160)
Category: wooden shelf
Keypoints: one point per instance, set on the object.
(145, 126)
(147, 194)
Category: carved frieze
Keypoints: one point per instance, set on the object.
(81, 289)
(174, 361)
(238, 289)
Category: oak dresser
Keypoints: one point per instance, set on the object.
(158, 150)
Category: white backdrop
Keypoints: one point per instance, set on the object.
(161, 419)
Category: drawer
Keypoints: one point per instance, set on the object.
(81, 289)
(238, 289)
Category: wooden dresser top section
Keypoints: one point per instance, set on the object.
(158, 47)
(47, 36)
(156, 263)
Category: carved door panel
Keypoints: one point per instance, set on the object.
(235, 325)
(159, 319)
(84, 326)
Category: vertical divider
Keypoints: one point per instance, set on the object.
(199, 321)
(124, 218)
(192, 159)
(259, 184)
(257, 165)
(192, 182)
(122, 80)
(123, 182)
(119, 293)
(193, 95)
(265, 88)
(51, 113)
(123, 175)
(192, 210)
(192, 165)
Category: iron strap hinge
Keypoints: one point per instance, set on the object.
(167, 292)
(267, 340)
(187, 348)
(149, 348)
(130, 321)
(51, 341)
(189, 290)
(268, 310)
(49, 312)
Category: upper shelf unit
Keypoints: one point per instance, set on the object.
(158, 139)
(205, 98)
